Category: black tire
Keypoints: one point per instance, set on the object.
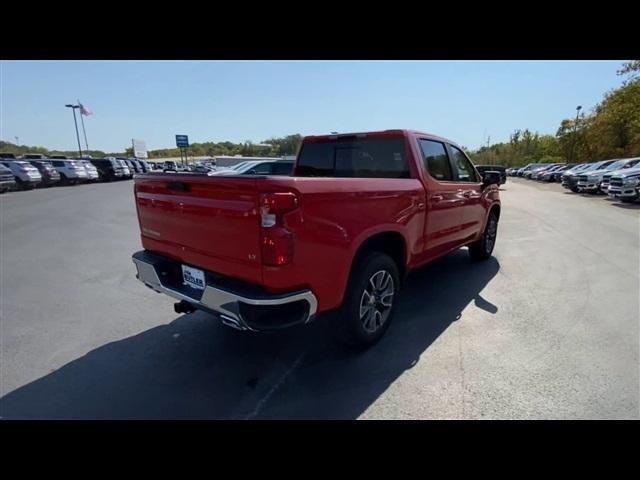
(354, 328)
(22, 185)
(483, 248)
(574, 189)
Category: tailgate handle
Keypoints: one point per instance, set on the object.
(178, 186)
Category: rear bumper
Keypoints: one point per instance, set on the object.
(242, 306)
(31, 180)
(76, 176)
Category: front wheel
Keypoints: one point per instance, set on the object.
(368, 305)
(483, 248)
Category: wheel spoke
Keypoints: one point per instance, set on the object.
(368, 319)
(386, 303)
(368, 295)
(379, 279)
(385, 281)
(377, 318)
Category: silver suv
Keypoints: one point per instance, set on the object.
(70, 171)
(26, 175)
(92, 171)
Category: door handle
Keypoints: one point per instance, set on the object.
(421, 206)
(437, 198)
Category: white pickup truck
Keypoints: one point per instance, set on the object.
(591, 182)
(625, 185)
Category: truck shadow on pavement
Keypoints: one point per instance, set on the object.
(628, 206)
(195, 368)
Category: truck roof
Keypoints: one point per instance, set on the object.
(380, 133)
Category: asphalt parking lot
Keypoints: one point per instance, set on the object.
(547, 329)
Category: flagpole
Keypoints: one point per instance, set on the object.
(83, 130)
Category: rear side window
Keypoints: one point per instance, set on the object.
(463, 168)
(436, 160)
(282, 168)
(262, 169)
(357, 158)
(58, 163)
(631, 164)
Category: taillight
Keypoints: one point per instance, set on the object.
(277, 240)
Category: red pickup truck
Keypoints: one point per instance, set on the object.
(359, 212)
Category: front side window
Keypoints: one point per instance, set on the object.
(462, 166)
(436, 160)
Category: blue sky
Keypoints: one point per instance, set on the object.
(253, 100)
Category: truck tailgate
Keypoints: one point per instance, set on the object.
(208, 222)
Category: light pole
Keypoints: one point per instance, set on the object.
(575, 133)
(17, 141)
(75, 122)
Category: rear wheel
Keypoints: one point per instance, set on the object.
(368, 305)
(483, 248)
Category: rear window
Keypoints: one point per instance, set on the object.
(357, 158)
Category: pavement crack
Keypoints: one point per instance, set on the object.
(263, 401)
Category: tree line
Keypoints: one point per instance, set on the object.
(610, 130)
(8, 147)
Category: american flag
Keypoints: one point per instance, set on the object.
(84, 110)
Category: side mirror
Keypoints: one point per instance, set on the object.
(490, 178)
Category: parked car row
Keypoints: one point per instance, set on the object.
(619, 178)
(253, 167)
(37, 170)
